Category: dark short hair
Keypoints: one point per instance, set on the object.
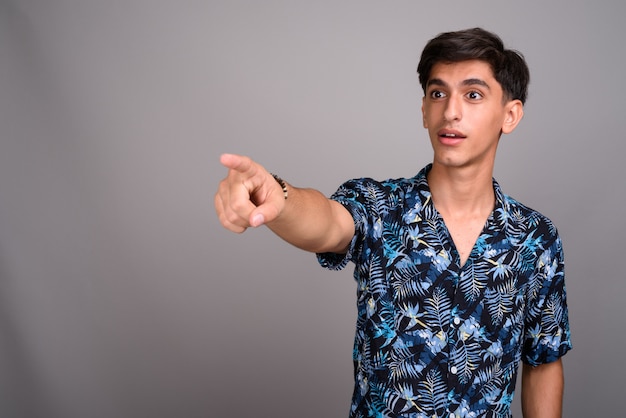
(508, 66)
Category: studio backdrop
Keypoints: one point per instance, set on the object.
(120, 293)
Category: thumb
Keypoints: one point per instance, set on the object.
(257, 219)
(267, 211)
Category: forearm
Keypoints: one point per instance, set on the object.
(313, 222)
(542, 390)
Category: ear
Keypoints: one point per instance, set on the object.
(514, 114)
(424, 114)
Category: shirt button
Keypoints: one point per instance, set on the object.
(457, 320)
(453, 370)
(452, 415)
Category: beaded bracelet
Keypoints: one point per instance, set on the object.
(282, 185)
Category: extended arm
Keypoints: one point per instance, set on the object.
(249, 197)
(542, 390)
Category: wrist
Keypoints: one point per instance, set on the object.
(282, 185)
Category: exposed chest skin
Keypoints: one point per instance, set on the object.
(464, 206)
(464, 231)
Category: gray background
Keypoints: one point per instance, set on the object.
(120, 294)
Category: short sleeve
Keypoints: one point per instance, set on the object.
(352, 196)
(547, 332)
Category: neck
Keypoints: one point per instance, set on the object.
(461, 192)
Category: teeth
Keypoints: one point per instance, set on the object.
(450, 135)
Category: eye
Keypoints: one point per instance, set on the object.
(437, 94)
(474, 95)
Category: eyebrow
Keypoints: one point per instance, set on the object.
(468, 82)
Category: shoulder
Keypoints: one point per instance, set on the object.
(526, 223)
(369, 189)
(522, 211)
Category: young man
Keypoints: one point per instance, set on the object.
(457, 282)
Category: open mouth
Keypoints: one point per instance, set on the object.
(450, 137)
(451, 134)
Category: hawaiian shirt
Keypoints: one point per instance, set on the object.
(436, 339)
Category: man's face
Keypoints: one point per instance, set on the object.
(465, 114)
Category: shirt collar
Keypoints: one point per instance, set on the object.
(501, 203)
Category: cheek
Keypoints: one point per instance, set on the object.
(488, 122)
(496, 124)
(429, 118)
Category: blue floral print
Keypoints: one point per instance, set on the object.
(436, 339)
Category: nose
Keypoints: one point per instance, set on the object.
(452, 111)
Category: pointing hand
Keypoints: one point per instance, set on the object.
(249, 196)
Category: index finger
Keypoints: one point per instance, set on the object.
(236, 162)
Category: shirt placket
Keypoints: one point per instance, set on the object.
(453, 336)
(451, 333)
